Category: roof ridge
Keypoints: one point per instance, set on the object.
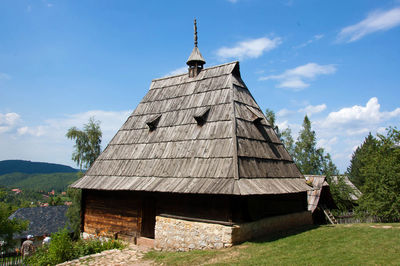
(168, 77)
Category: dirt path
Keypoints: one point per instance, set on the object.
(131, 255)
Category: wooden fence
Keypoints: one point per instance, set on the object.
(350, 218)
(10, 259)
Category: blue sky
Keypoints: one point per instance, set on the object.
(64, 61)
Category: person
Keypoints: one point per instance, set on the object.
(27, 248)
(46, 240)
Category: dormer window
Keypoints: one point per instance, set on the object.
(201, 116)
(153, 122)
(256, 116)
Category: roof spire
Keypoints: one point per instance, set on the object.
(196, 60)
(195, 33)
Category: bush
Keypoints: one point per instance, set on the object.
(62, 248)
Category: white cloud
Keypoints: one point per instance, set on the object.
(284, 112)
(327, 143)
(294, 78)
(249, 49)
(177, 71)
(360, 116)
(34, 131)
(4, 76)
(375, 21)
(313, 109)
(9, 121)
(315, 38)
(46, 141)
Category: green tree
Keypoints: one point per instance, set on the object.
(359, 159)
(381, 175)
(306, 155)
(74, 211)
(271, 119)
(287, 140)
(87, 149)
(341, 193)
(285, 136)
(87, 143)
(8, 228)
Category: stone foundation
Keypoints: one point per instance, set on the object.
(182, 235)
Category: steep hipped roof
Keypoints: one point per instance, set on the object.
(42, 220)
(162, 146)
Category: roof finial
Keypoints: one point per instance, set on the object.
(195, 33)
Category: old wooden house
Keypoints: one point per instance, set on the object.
(196, 165)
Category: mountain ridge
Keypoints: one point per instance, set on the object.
(29, 167)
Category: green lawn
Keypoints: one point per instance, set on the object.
(356, 244)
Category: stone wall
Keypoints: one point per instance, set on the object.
(179, 234)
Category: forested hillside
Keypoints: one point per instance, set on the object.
(38, 182)
(21, 166)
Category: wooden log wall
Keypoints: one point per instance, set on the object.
(110, 213)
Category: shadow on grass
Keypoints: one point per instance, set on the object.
(283, 234)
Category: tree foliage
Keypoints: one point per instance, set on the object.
(9, 227)
(310, 159)
(360, 159)
(285, 136)
(87, 143)
(87, 149)
(341, 193)
(381, 177)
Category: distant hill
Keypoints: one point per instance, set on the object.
(28, 167)
(38, 182)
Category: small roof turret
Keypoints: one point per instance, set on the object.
(196, 60)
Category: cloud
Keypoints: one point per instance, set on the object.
(375, 21)
(249, 49)
(34, 131)
(327, 143)
(9, 121)
(284, 113)
(177, 71)
(4, 76)
(294, 78)
(315, 38)
(313, 109)
(46, 141)
(360, 116)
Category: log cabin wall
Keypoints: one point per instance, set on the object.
(207, 207)
(110, 213)
(253, 208)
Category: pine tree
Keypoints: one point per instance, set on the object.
(381, 175)
(359, 159)
(306, 155)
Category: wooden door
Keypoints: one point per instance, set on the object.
(148, 217)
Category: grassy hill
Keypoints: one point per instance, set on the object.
(21, 166)
(356, 244)
(38, 182)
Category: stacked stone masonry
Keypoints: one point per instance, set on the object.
(182, 235)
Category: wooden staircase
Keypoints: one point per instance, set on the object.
(329, 215)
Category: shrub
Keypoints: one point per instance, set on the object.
(62, 248)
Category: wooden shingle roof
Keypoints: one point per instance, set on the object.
(234, 151)
(42, 220)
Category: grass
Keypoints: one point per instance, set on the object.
(355, 244)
